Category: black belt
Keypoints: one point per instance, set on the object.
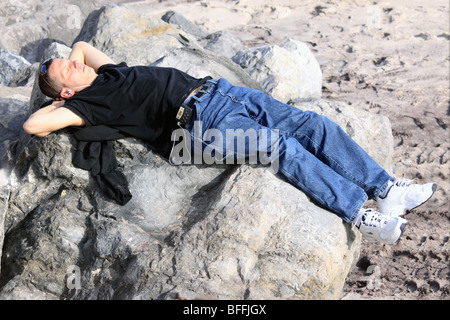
(186, 111)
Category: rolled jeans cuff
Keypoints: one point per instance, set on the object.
(356, 210)
(381, 189)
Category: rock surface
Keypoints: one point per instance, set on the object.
(10, 64)
(29, 26)
(286, 72)
(227, 232)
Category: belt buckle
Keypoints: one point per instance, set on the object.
(205, 87)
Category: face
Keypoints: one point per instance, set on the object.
(73, 75)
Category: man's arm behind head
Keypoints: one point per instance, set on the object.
(51, 118)
(87, 54)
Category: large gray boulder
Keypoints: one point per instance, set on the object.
(180, 22)
(224, 43)
(191, 231)
(28, 26)
(134, 37)
(10, 64)
(12, 115)
(288, 71)
(194, 231)
(201, 63)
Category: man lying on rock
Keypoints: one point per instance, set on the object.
(150, 103)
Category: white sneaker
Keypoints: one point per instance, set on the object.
(404, 195)
(376, 226)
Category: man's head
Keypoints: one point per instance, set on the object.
(62, 78)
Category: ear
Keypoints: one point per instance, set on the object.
(66, 93)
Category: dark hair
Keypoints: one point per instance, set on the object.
(48, 86)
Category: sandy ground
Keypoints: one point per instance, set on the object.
(386, 57)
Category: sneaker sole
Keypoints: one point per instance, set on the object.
(400, 225)
(402, 229)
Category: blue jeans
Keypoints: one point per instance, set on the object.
(314, 153)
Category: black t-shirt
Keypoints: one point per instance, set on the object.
(139, 101)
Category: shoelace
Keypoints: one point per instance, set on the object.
(402, 182)
(371, 218)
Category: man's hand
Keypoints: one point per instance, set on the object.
(90, 56)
